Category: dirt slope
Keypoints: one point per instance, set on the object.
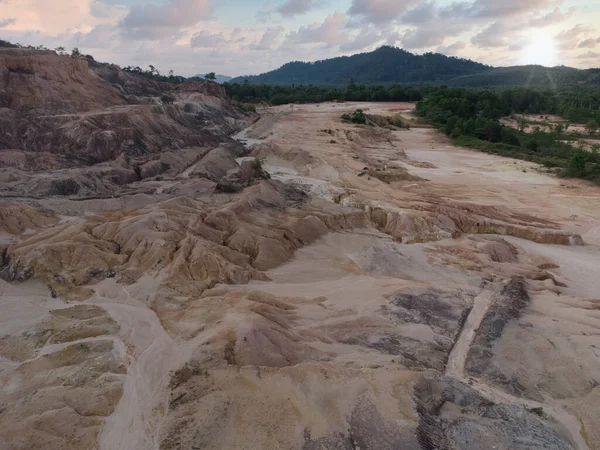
(378, 289)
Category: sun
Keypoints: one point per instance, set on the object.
(540, 50)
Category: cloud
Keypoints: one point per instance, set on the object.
(451, 49)
(6, 22)
(551, 18)
(588, 43)
(103, 11)
(569, 39)
(367, 37)
(492, 36)
(428, 36)
(206, 39)
(98, 37)
(292, 8)
(589, 55)
(158, 21)
(269, 39)
(57, 16)
(495, 9)
(330, 31)
(421, 14)
(379, 11)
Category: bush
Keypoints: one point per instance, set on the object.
(64, 187)
(357, 116)
(167, 99)
(532, 145)
(577, 163)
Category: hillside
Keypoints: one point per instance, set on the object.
(390, 65)
(529, 76)
(385, 65)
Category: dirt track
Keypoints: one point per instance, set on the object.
(371, 313)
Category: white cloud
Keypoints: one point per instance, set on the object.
(330, 31)
(588, 43)
(206, 39)
(269, 39)
(589, 55)
(379, 11)
(551, 18)
(569, 39)
(167, 19)
(367, 37)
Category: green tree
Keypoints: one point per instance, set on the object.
(211, 76)
(532, 145)
(577, 163)
(75, 53)
(591, 126)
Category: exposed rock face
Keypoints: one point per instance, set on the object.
(37, 83)
(75, 112)
(507, 306)
(455, 416)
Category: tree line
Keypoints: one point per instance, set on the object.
(472, 117)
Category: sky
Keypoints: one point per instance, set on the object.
(245, 37)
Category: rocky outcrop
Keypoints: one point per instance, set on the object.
(84, 113)
(45, 83)
(508, 306)
(454, 416)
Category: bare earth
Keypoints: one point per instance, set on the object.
(382, 290)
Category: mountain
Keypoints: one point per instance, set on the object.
(391, 65)
(220, 78)
(386, 65)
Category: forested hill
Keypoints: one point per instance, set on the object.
(386, 65)
(530, 76)
(391, 65)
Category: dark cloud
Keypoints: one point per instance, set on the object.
(379, 11)
(451, 49)
(492, 36)
(421, 14)
(7, 22)
(159, 21)
(295, 7)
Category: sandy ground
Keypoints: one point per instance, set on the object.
(402, 252)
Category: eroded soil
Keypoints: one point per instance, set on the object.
(380, 289)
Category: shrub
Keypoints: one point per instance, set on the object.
(357, 116)
(167, 99)
(64, 187)
(532, 145)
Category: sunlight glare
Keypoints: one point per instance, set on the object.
(541, 50)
